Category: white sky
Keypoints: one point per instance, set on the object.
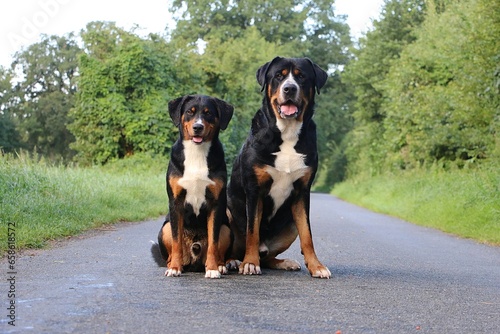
(22, 21)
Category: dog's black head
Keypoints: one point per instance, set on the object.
(200, 117)
(290, 85)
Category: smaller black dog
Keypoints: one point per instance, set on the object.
(196, 231)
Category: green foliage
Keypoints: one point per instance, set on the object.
(44, 94)
(240, 36)
(9, 134)
(377, 51)
(441, 101)
(124, 86)
(48, 202)
(426, 83)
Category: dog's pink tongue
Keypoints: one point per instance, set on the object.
(197, 140)
(288, 109)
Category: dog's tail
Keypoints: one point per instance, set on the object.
(156, 254)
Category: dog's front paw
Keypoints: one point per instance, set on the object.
(249, 269)
(222, 269)
(212, 274)
(172, 272)
(320, 272)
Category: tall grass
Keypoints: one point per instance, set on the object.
(48, 202)
(462, 202)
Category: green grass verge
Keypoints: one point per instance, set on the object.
(49, 202)
(461, 202)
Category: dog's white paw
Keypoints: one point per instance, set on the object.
(233, 264)
(212, 274)
(172, 273)
(250, 269)
(322, 273)
(222, 270)
(288, 264)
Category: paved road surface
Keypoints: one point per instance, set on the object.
(388, 277)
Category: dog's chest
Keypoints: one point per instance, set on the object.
(195, 178)
(288, 166)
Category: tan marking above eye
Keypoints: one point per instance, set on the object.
(285, 72)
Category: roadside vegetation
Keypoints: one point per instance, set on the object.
(465, 203)
(47, 202)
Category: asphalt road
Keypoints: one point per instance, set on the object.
(389, 276)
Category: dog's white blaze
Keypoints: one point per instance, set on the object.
(289, 165)
(289, 80)
(195, 179)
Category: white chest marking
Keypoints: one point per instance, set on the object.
(289, 165)
(195, 179)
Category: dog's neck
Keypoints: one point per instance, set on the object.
(289, 128)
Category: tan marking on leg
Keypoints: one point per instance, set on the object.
(316, 269)
(251, 262)
(176, 258)
(277, 245)
(224, 243)
(281, 242)
(211, 265)
(166, 238)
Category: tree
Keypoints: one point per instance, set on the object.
(377, 51)
(9, 136)
(124, 87)
(442, 103)
(240, 36)
(45, 93)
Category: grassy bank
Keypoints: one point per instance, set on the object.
(462, 202)
(48, 202)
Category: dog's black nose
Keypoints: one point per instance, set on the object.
(290, 89)
(198, 127)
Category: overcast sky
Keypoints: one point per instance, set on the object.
(22, 21)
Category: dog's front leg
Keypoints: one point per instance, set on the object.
(174, 265)
(251, 261)
(214, 266)
(300, 213)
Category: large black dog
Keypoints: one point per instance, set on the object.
(196, 234)
(269, 190)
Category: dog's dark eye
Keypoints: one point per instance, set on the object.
(279, 76)
(191, 111)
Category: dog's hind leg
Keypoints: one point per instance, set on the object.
(277, 245)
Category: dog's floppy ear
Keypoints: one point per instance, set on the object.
(225, 111)
(320, 75)
(175, 108)
(262, 73)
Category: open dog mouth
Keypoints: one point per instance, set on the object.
(197, 139)
(288, 110)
